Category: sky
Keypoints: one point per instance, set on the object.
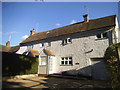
(18, 18)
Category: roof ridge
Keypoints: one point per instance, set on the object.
(73, 28)
(75, 23)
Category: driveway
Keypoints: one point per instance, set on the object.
(52, 82)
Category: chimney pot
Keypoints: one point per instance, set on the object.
(8, 44)
(32, 32)
(86, 18)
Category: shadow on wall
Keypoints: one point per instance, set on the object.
(96, 71)
(15, 64)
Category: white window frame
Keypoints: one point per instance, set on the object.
(102, 35)
(66, 41)
(41, 44)
(66, 59)
(43, 62)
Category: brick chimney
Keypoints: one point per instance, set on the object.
(8, 44)
(86, 18)
(32, 32)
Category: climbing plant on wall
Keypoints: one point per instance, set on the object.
(113, 64)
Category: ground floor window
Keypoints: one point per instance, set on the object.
(66, 61)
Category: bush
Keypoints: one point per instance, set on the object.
(15, 64)
(113, 65)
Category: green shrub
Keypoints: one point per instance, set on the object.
(113, 65)
(15, 64)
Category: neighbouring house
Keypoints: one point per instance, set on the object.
(76, 49)
(7, 48)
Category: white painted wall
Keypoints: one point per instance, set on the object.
(79, 49)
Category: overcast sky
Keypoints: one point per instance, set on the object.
(21, 17)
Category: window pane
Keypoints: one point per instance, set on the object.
(99, 36)
(105, 34)
(70, 58)
(66, 62)
(43, 60)
(42, 44)
(65, 41)
(66, 58)
(62, 62)
(69, 40)
(62, 58)
(70, 62)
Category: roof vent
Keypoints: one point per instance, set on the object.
(47, 32)
(86, 18)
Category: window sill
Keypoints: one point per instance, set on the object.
(101, 38)
(66, 43)
(66, 65)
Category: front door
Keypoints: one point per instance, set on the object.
(43, 65)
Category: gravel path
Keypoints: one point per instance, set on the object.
(51, 82)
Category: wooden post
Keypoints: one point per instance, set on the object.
(118, 53)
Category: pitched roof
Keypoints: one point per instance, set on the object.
(48, 52)
(14, 49)
(74, 28)
(4, 48)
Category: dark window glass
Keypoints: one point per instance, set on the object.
(105, 35)
(62, 58)
(65, 41)
(99, 36)
(69, 40)
(66, 62)
(42, 44)
(70, 58)
(66, 58)
(62, 62)
(70, 62)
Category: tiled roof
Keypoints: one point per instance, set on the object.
(48, 52)
(34, 52)
(74, 28)
(14, 49)
(4, 48)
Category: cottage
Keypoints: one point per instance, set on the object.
(76, 49)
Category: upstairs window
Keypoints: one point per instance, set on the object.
(49, 44)
(29, 47)
(41, 44)
(102, 35)
(66, 41)
(99, 36)
(66, 61)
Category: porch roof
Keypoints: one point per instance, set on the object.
(34, 52)
(48, 52)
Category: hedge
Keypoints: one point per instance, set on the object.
(113, 65)
(16, 64)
